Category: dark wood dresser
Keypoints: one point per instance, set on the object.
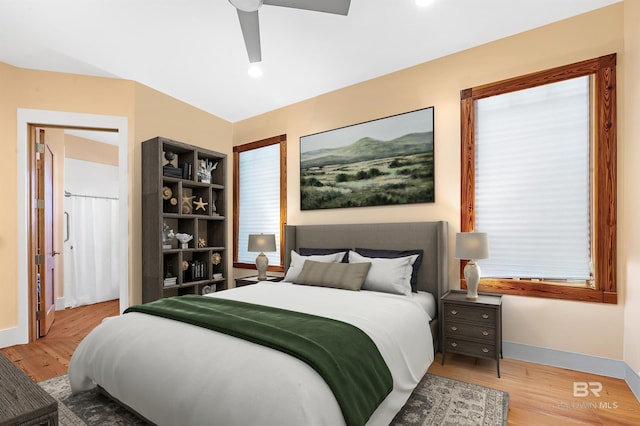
(23, 401)
(472, 326)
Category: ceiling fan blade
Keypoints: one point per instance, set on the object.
(339, 7)
(251, 33)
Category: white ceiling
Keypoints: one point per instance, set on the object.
(193, 50)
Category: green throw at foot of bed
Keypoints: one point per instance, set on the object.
(345, 357)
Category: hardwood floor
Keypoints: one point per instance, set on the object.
(49, 357)
(543, 395)
(538, 394)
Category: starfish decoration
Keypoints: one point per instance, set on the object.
(186, 199)
(200, 204)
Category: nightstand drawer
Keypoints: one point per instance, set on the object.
(471, 348)
(467, 313)
(458, 330)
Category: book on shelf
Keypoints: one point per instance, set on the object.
(170, 281)
(186, 171)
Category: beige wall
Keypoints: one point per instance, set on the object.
(150, 113)
(588, 328)
(87, 150)
(630, 188)
(8, 216)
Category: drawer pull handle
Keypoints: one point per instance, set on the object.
(454, 344)
(485, 350)
(485, 316)
(454, 328)
(454, 312)
(485, 333)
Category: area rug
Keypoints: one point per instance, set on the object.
(436, 401)
(439, 401)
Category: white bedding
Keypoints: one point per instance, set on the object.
(174, 373)
(427, 301)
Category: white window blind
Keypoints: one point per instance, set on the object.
(259, 200)
(532, 181)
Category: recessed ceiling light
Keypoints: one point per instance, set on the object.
(424, 3)
(255, 71)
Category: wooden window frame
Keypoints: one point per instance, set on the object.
(282, 141)
(603, 204)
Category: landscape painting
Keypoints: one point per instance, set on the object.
(381, 162)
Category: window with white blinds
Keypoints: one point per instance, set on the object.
(259, 204)
(532, 181)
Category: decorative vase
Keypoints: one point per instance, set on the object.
(472, 276)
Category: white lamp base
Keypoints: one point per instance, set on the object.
(472, 276)
(262, 261)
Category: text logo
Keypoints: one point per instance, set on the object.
(583, 389)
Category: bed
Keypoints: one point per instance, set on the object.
(170, 372)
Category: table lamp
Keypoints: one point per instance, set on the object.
(262, 243)
(472, 246)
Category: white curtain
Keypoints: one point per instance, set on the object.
(90, 257)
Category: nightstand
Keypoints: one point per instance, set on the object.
(254, 280)
(472, 326)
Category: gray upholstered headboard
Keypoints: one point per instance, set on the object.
(432, 237)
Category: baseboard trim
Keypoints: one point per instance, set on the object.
(633, 380)
(60, 304)
(574, 361)
(11, 336)
(562, 359)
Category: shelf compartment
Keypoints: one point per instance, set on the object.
(170, 197)
(212, 232)
(210, 168)
(217, 203)
(186, 226)
(171, 269)
(217, 263)
(195, 267)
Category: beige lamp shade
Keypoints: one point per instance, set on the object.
(262, 242)
(472, 245)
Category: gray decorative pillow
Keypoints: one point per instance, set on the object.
(347, 276)
(298, 261)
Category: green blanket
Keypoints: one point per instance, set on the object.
(345, 357)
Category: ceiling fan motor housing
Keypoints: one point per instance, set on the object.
(246, 5)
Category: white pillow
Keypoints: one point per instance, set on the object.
(297, 262)
(387, 275)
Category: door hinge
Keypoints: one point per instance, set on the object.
(39, 204)
(39, 259)
(38, 315)
(39, 148)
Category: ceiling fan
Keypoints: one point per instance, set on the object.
(248, 15)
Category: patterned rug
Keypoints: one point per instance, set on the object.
(436, 401)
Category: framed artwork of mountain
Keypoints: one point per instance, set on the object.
(380, 162)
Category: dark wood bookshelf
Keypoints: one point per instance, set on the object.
(168, 199)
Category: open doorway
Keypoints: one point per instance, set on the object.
(26, 118)
(90, 218)
(74, 231)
